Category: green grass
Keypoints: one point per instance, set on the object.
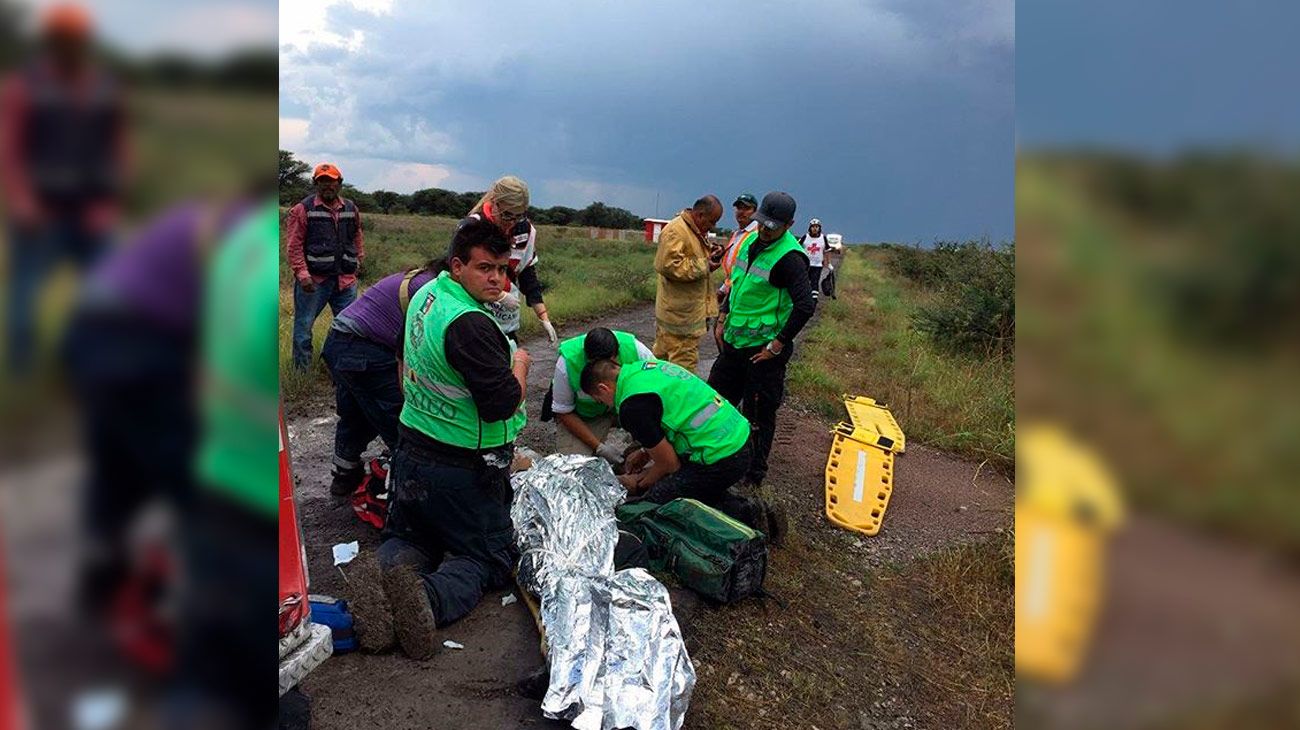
(1199, 428)
(582, 278)
(929, 639)
(864, 343)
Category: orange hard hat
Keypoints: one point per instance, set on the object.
(67, 19)
(327, 170)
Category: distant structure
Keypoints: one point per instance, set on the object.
(653, 227)
(834, 242)
(613, 234)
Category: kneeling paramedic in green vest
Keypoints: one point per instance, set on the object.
(449, 537)
(582, 423)
(770, 301)
(698, 443)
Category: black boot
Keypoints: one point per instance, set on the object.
(346, 481)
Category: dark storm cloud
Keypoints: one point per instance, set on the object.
(890, 121)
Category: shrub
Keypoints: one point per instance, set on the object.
(975, 311)
(916, 264)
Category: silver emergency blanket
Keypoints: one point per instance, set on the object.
(615, 650)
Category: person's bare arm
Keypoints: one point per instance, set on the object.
(664, 462)
(636, 461)
(520, 369)
(576, 426)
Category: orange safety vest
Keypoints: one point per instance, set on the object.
(733, 248)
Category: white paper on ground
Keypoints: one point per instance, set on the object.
(100, 709)
(344, 552)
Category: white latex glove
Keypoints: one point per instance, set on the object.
(550, 331)
(610, 454)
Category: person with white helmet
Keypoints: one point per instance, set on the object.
(814, 244)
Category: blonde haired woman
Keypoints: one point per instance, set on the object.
(506, 205)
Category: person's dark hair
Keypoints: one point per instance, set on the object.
(600, 344)
(437, 266)
(707, 205)
(477, 232)
(597, 372)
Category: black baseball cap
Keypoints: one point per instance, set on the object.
(746, 200)
(777, 210)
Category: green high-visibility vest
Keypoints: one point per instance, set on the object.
(700, 424)
(438, 402)
(759, 310)
(575, 359)
(241, 375)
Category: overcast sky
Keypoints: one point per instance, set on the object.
(1159, 76)
(887, 119)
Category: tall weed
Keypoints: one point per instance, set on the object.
(974, 282)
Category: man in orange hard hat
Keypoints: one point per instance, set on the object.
(325, 247)
(63, 160)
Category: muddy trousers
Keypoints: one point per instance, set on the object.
(367, 395)
(451, 522)
(683, 350)
(757, 390)
(711, 484)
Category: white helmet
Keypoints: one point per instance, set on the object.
(814, 222)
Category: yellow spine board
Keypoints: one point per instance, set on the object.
(859, 480)
(1067, 506)
(1059, 574)
(873, 423)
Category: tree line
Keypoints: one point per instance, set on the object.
(295, 184)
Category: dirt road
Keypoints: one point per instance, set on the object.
(940, 500)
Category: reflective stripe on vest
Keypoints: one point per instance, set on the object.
(754, 269)
(733, 248)
(704, 415)
(701, 426)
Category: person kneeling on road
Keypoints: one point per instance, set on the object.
(583, 421)
(699, 444)
(449, 537)
(361, 354)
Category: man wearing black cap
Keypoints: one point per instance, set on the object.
(769, 302)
